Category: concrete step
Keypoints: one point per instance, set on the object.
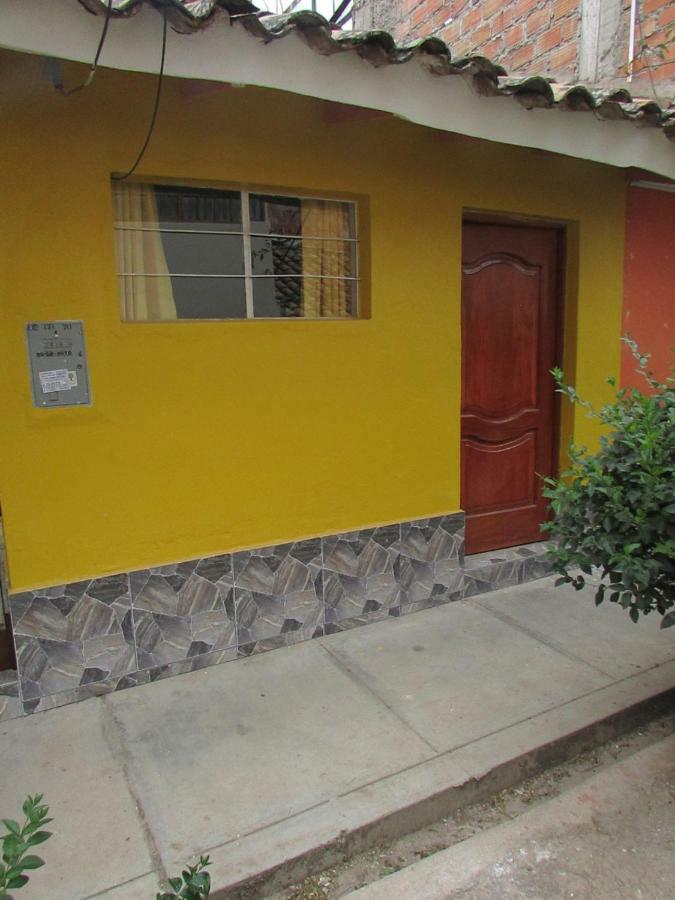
(259, 864)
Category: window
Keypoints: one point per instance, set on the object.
(198, 253)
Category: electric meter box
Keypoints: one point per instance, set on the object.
(58, 364)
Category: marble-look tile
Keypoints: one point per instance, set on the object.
(9, 683)
(277, 591)
(183, 611)
(455, 592)
(73, 635)
(359, 572)
(429, 566)
(538, 566)
(192, 664)
(280, 640)
(492, 575)
(378, 615)
(10, 704)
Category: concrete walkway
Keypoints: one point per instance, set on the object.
(320, 748)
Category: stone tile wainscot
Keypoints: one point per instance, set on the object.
(87, 638)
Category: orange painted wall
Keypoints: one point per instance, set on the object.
(649, 280)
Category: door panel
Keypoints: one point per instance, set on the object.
(509, 308)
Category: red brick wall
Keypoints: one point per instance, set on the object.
(534, 36)
(523, 35)
(657, 27)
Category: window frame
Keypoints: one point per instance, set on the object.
(360, 214)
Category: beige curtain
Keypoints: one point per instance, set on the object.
(325, 296)
(139, 252)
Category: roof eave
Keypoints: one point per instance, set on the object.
(63, 30)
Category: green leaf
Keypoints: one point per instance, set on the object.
(176, 883)
(31, 862)
(668, 620)
(12, 826)
(17, 881)
(29, 829)
(39, 837)
(634, 613)
(11, 848)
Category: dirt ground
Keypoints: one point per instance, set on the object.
(381, 861)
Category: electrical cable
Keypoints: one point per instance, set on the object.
(155, 110)
(92, 71)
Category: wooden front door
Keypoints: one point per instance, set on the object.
(510, 288)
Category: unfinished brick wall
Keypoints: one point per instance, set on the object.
(570, 40)
(656, 28)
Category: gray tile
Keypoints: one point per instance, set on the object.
(281, 640)
(193, 664)
(10, 707)
(492, 578)
(429, 565)
(366, 619)
(65, 698)
(277, 590)
(9, 683)
(182, 611)
(359, 572)
(536, 566)
(73, 635)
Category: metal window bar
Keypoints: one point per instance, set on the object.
(253, 277)
(264, 234)
(246, 234)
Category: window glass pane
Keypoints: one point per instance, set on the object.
(165, 206)
(158, 266)
(275, 215)
(277, 297)
(174, 297)
(298, 216)
(203, 254)
(309, 298)
(209, 298)
(198, 208)
(292, 256)
(276, 256)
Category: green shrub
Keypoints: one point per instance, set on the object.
(614, 510)
(18, 841)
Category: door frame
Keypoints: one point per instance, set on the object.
(565, 309)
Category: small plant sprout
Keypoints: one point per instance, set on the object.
(19, 839)
(195, 883)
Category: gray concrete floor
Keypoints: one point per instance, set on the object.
(263, 759)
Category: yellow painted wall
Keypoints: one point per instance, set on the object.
(207, 437)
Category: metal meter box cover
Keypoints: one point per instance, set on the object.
(58, 364)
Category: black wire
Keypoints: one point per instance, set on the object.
(158, 95)
(337, 14)
(92, 71)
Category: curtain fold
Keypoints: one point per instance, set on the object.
(330, 259)
(140, 251)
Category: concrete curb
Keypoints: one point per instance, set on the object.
(257, 864)
(462, 866)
